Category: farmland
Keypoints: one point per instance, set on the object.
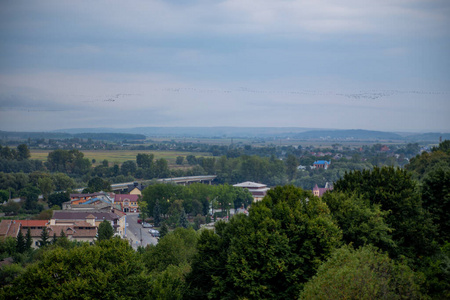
(120, 156)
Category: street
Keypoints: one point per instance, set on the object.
(135, 232)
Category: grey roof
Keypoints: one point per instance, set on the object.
(81, 215)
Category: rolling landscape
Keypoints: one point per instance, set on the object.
(225, 149)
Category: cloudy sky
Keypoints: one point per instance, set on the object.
(347, 64)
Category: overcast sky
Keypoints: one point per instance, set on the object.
(357, 64)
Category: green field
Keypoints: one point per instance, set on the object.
(120, 156)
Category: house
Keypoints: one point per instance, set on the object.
(127, 202)
(318, 192)
(321, 164)
(92, 217)
(80, 198)
(96, 201)
(257, 190)
(79, 231)
(135, 188)
(9, 228)
(384, 148)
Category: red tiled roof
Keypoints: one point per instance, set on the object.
(9, 228)
(32, 223)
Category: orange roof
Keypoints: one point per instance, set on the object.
(32, 223)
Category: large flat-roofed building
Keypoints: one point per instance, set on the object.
(258, 190)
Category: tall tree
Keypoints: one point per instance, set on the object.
(364, 273)
(395, 191)
(361, 223)
(23, 152)
(291, 166)
(268, 255)
(164, 230)
(144, 161)
(58, 199)
(46, 186)
(436, 199)
(183, 220)
(105, 231)
(20, 243)
(28, 239)
(157, 214)
(44, 241)
(109, 270)
(98, 184)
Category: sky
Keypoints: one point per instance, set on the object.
(343, 64)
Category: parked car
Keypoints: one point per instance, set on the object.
(147, 225)
(154, 232)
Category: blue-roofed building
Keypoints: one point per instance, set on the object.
(321, 164)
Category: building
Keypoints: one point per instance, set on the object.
(94, 201)
(320, 191)
(79, 230)
(9, 228)
(257, 190)
(135, 188)
(81, 198)
(127, 202)
(321, 164)
(92, 217)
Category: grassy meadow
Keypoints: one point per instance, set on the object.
(120, 156)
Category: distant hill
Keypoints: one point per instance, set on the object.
(140, 133)
(244, 132)
(429, 137)
(357, 134)
(65, 135)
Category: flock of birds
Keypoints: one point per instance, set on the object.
(370, 95)
(360, 95)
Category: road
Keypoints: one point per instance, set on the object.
(135, 232)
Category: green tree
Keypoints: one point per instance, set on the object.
(20, 243)
(31, 194)
(395, 192)
(183, 219)
(436, 199)
(105, 231)
(128, 168)
(179, 160)
(54, 239)
(443, 146)
(157, 215)
(164, 230)
(97, 184)
(362, 274)
(291, 166)
(46, 186)
(144, 161)
(68, 161)
(4, 196)
(191, 159)
(176, 248)
(23, 152)
(62, 182)
(28, 240)
(58, 199)
(44, 241)
(361, 223)
(269, 254)
(109, 269)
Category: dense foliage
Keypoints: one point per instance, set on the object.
(382, 233)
